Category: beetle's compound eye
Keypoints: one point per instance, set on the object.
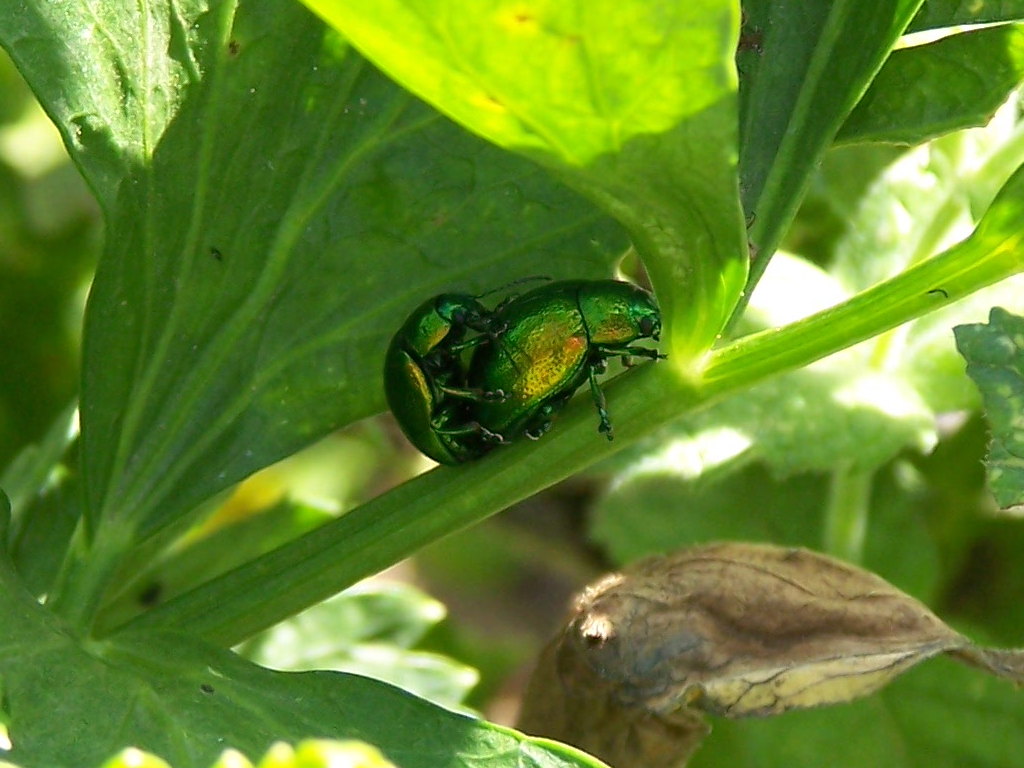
(468, 317)
(649, 326)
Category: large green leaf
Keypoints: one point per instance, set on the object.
(259, 339)
(935, 14)
(930, 90)
(68, 704)
(264, 188)
(631, 102)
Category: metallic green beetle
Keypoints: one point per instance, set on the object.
(554, 339)
(425, 378)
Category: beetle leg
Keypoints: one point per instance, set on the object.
(467, 344)
(539, 424)
(487, 435)
(497, 396)
(652, 354)
(537, 431)
(624, 352)
(476, 395)
(542, 419)
(489, 328)
(600, 403)
(469, 428)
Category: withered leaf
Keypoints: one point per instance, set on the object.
(732, 629)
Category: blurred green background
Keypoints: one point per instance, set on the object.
(50, 237)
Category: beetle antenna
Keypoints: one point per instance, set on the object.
(520, 281)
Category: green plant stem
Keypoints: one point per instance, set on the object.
(88, 567)
(954, 274)
(846, 517)
(403, 520)
(394, 525)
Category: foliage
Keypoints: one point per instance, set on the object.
(276, 197)
(995, 360)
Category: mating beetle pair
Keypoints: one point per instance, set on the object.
(530, 355)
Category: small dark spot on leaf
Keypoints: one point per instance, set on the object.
(939, 292)
(522, 17)
(217, 254)
(233, 48)
(751, 41)
(750, 35)
(206, 688)
(150, 595)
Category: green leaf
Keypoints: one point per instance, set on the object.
(995, 360)
(986, 581)
(110, 101)
(45, 503)
(263, 187)
(810, 66)
(935, 14)
(265, 343)
(927, 199)
(49, 228)
(929, 90)
(835, 413)
(939, 715)
(26, 475)
(74, 704)
(40, 535)
(631, 102)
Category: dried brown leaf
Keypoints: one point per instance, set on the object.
(733, 629)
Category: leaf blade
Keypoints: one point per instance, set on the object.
(802, 79)
(929, 90)
(643, 126)
(995, 361)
